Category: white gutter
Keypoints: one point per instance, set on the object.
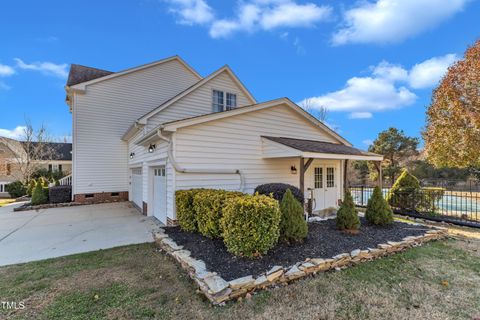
(177, 167)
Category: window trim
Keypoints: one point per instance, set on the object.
(216, 107)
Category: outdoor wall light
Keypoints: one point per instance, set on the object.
(293, 169)
(132, 154)
(152, 148)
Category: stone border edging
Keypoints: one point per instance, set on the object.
(218, 290)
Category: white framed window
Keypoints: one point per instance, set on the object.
(231, 101)
(318, 178)
(160, 172)
(222, 101)
(217, 100)
(330, 177)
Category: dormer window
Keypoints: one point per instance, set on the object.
(222, 101)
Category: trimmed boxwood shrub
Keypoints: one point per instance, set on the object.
(347, 217)
(60, 194)
(16, 189)
(185, 210)
(39, 196)
(209, 205)
(404, 193)
(293, 226)
(277, 190)
(378, 211)
(250, 224)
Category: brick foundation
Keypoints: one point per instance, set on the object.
(145, 208)
(101, 197)
(171, 222)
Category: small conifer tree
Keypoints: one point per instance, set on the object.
(347, 217)
(293, 226)
(38, 195)
(378, 210)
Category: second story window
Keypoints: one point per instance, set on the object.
(231, 101)
(222, 101)
(217, 101)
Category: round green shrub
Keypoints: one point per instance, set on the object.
(16, 189)
(293, 226)
(378, 211)
(39, 196)
(251, 224)
(347, 217)
(185, 210)
(404, 193)
(209, 205)
(277, 191)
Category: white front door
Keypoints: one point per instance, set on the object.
(325, 187)
(160, 194)
(137, 187)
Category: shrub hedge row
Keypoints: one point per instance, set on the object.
(249, 224)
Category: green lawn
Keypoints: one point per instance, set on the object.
(440, 280)
(6, 201)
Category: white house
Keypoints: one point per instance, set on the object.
(143, 133)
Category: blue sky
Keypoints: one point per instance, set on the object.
(373, 64)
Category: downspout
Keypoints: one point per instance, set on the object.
(177, 167)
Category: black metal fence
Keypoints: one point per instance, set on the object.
(437, 204)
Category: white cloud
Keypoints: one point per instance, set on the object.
(48, 68)
(390, 71)
(6, 71)
(4, 86)
(291, 14)
(366, 94)
(388, 87)
(16, 133)
(191, 12)
(389, 21)
(250, 16)
(360, 115)
(367, 142)
(429, 72)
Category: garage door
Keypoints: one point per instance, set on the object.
(160, 194)
(137, 188)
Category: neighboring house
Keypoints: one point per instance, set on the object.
(143, 133)
(12, 154)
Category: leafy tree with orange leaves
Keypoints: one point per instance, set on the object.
(452, 133)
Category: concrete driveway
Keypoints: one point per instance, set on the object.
(35, 235)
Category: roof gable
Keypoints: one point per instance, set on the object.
(199, 84)
(174, 125)
(82, 85)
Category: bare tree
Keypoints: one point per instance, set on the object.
(320, 112)
(31, 152)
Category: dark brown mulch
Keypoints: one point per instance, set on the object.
(323, 241)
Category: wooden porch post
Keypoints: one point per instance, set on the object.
(302, 175)
(378, 164)
(345, 179)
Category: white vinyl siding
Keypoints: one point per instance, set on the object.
(103, 114)
(199, 101)
(236, 143)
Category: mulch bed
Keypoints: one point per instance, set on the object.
(323, 241)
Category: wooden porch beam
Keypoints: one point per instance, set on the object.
(308, 163)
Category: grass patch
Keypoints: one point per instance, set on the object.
(4, 202)
(137, 282)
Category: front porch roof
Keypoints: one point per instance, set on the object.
(283, 147)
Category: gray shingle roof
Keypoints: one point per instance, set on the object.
(319, 146)
(79, 74)
(56, 150)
